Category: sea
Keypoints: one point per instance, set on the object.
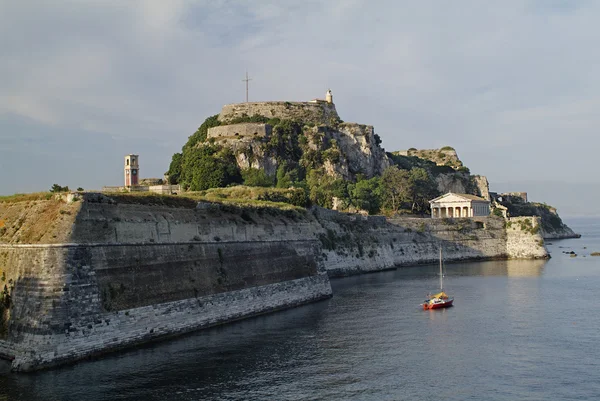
(519, 330)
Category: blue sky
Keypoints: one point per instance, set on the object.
(512, 85)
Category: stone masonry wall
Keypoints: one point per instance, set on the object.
(358, 244)
(135, 273)
(70, 301)
(524, 238)
(254, 130)
(130, 273)
(320, 113)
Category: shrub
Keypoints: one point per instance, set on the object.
(57, 188)
(254, 177)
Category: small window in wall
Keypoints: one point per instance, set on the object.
(479, 224)
(128, 162)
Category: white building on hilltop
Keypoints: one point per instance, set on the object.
(459, 205)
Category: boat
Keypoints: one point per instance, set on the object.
(441, 299)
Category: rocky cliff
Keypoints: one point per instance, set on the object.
(552, 226)
(445, 156)
(317, 139)
(357, 244)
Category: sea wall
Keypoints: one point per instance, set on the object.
(108, 272)
(354, 244)
(137, 273)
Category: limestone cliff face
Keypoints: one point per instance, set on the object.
(458, 183)
(446, 156)
(482, 186)
(356, 244)
(348, 148)
(359, 152)
(250, 152)
(551, 226)
(359, 145)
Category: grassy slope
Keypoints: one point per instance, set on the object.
(36, 218)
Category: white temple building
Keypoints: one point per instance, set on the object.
(459, 205)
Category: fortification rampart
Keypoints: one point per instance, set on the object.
(132, 273)
(356, 244)
(126, 273)
(317, 112)
(253, 130)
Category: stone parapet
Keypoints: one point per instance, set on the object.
(319, 113)
(253, 130)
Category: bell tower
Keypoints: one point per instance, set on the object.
(132, 170)
(329, 96)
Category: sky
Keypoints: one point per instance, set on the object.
(513, 86)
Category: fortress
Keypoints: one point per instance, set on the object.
(316, 111)
(357, 143)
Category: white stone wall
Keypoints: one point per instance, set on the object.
(524, 238)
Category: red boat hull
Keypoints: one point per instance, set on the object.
(440, 305)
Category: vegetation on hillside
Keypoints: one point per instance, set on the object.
(444, 157)
(301, 154)
(58, 188)
(550, 220)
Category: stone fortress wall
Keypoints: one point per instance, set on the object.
(125, 274)
(357, 143)
(354, 244)
(254, 130)
(317, 112)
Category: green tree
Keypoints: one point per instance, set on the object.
(366, 194)
(202, 131)
(396, 188)
(58, 188)
(209, 166)
(288, 175)
(255, 177)
(424, 189)
(174, 172)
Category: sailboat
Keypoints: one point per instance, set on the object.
(439, 300)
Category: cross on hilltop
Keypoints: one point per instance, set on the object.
(246, 80)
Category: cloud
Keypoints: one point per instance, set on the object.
(504, 81)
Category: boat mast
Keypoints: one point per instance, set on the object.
(441, 273)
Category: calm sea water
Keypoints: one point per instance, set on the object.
(521, 330)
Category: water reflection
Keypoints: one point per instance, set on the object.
(513, 268)
(525, 268)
